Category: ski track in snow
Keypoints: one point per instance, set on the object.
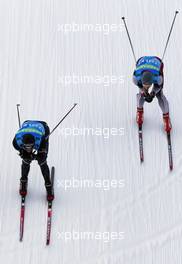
(34, 54)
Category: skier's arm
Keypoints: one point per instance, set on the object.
(15, 145)
(43, 151)
(44, 146)
(22, 153)
(136, 82)
(158, 85)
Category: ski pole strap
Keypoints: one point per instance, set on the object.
(169, 34)
(61, 120)
(123, 18)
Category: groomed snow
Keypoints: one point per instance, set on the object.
(34, 56)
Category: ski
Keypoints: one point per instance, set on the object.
(140, 136)
(49, 211)
(170, 151)
(22, 216)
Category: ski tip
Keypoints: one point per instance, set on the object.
(123, 18)
(177, 11)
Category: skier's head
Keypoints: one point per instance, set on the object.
(147, 79)
(28, 142)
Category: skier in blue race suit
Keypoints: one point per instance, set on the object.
(148, 72)
(32, 142)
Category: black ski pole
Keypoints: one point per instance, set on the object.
(123, 18)
(61, 120)
(18, 113)
(170, 34)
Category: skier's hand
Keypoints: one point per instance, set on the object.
(152, 94)
(34, 156)
(43, 150)
(144, 92)
(25, 155)
(148, 98)
(41, 156)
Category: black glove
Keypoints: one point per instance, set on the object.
(25, 155)
(42, 155)
(34, 156)
(148, 97)
(152, 94)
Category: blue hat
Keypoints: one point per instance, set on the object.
(28, 139)
(147, 78)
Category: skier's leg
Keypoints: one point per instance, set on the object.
(140, 103)
(140, 100)
(163, 102)
(25, 168)
(42, 161)
(164, 105)
(45, 170)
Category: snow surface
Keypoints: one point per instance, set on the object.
(34, 54)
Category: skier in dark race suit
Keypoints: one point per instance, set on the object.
(32, 142)
(148, 72)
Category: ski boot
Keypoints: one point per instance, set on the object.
(23, 188)
(167, 123)
(139, 116)
(50, 192)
